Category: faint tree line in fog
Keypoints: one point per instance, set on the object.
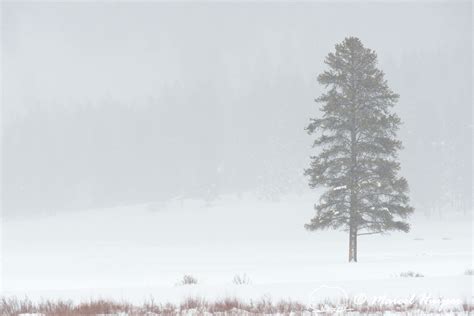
(92, 156)
(194, 144)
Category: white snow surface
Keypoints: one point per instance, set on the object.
(135, 252)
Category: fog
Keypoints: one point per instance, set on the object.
(109, 104)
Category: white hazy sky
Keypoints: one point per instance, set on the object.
(56, 52)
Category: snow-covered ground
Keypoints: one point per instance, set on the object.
(136, 252)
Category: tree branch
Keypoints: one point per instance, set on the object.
(372, 233)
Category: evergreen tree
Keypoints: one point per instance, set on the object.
(357, 149)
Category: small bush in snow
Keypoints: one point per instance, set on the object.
(411, 274)
(188, 280)
(469, 272)
(241, 279)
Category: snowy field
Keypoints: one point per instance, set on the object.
(136, 252)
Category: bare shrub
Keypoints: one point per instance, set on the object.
(102, 307)
(50, 307)
(241, 279)
(411, 274)
(226, 304)
(188, 280)
(15, 306)
(265, 305)
(468, 307)
(469, 272)
(288, 306)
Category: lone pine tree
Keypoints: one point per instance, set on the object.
(357, 149)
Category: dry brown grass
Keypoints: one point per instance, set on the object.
(12, 306)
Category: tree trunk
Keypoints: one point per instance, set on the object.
(352, 244)
(353, 197)
(355, 245)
